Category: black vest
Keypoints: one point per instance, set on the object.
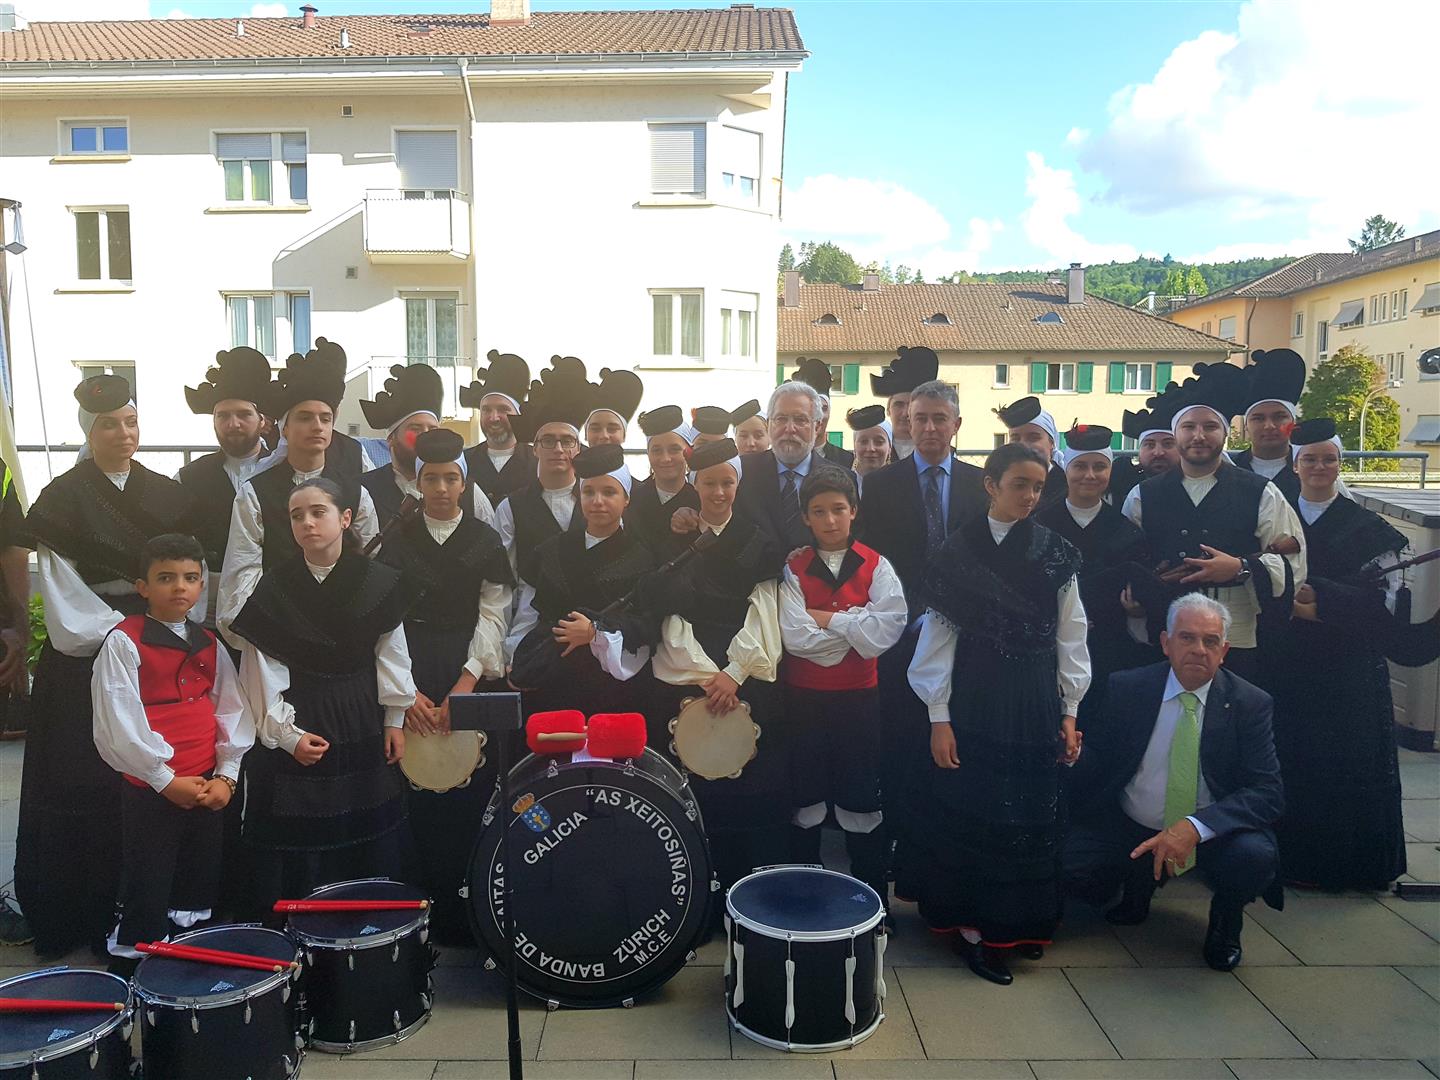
(534, 524)
(1226, 518)
(272, 490)
(1056, 487)
(518, 473)
(449, 575)
(1286, 479)
(212, 497)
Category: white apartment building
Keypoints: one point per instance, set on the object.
(602, 184)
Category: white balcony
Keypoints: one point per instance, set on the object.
(366, 379)
(417, 226)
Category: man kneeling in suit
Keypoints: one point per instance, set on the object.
(1182, 772)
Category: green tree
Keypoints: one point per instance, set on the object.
(828, 263)
(1195, 282)
(787, 258)
(902, 275)
(1338, 387)
(1377, 231)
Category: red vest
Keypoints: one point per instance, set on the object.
(175, 684)
(855, 672)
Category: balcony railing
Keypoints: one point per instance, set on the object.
(416, 226)
(364, 381)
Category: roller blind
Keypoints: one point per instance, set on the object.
(292, 147)
(677, 159)
(243, 146)
(427, 159)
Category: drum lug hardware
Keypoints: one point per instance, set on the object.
(729, 937)
(690, 956)
(424, 935)
(310, 957)
(488, 818)
(289, 1065)
(465, 889)
(396, 1019)
(881, 940)
(310, 1028)
(489, 964)
(551, 1005)
(150, 1017)
(738, 998)
(629, 769)
(789, 990)
(850, 987)
(94, 1056)
(628, 1003)
(247, 1012)
(350, 961)
(552, 770)
(125, 1030)
(299, 1041)
(285, 994)
(425, 1002)
(352, 1031)
(395, 953)
(715, 885)
(195, 1021)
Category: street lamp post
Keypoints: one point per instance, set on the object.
(1388, 384)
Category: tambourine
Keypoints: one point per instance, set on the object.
(444, 761)
(716, 746)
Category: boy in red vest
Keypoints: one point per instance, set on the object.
(841, 606)
(169, 716)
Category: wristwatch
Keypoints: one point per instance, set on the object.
(1242, 577)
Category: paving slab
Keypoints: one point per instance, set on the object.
(1329, 1070)
(1040, 1016)
(1427, 978)
(684, 1020)
(1126, 1070)
(1181, 1014)
(800, 1068)
(1421, 914)
(1174, 936)
(1422, 818)
(846, 1069)
(1331, 931)
(1420, 779)
(896, 1038)
(1084, 939)
(1422, 861)
(913, 945)
(363, 1067)
(468, 1022)
(1348, 1012)
(534, 1070)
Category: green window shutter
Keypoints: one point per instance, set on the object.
(779, 374)
(1115, 440)
(1039, 378)
(851, 381)
(835, 438)
(1084, 377)
(1063, 443)
(1162, 377)
(1117, 377)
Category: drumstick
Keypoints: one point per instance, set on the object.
(557, 736)
(47, 1005)
(204, 956)
(221, 956)
(293, 906)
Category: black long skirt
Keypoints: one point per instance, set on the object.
(992, 834)
(67, 850)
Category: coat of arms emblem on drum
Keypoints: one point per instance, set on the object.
(535, 816)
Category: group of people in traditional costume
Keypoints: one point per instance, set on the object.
(1061, 675)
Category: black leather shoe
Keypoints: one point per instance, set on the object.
(984, 962)
(1222, 939)
(1030, 951)
(1134, 906)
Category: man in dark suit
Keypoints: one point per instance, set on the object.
(907, 510)
(1181, 773)
(770, 481)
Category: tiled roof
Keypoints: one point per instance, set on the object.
(982, 318)
(556, 33)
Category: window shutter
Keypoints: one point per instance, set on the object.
(427, 160)
(677, 159)
(250, 146)
(1039, 378)
(1117, 377)
(1162, 377)
(292, 147)
(851, 382)
(835, 438)
(1085, 377)
(779, 373)
(1116, 440)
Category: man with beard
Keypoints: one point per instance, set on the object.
(1214, 527)
(909, 369)
(1274, 381)
(502, 463)
(1155, 454)
(816, 373)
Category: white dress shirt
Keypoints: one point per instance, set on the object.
(123, 735)
(1144, 797)
(869, 629)
(933, 667)
(1268, 467)
(1083, 515)
(499, 458)
(479, 502)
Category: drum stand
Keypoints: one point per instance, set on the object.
(500, 714)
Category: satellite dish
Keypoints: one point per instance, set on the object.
(1429, 362)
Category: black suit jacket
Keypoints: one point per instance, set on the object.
(1237, 748)
(892, 514)
(759, 497)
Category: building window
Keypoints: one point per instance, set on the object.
(95, 137)
(124, 369)
(102, 244)
(1139, 377)
(1299, 328)
(1001, 438)
(248, 161)
(429, 163)
(844, 379)
(1227, 328)
(252, 321)
(1205, 329)
(299, 305)
(1002, 376)
(1396, 367)
(432, 329)
(678, 324)
(737, 324)
(1384, 307)
(1060, 377)
(1375, 308)
(740, 165)
(938, 319)
(677, 159)
(1401, 306)
(1322, 338)
(1128, 442)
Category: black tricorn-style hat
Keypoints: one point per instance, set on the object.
(662, 420)
(1316, 430)
(319, 375)
(710, 420)
(1220, 387)
(241, 374)
(814, 372)
(1086, 437)
(507, 374)
(1020, 412)
(560, 396)
(909, 369)
(619, 391)
(1274, 375)
(409, 390)
(865, 417)
(714, 453)
(598, 460)
(439, 446)
(103, 393)
(1159, 411)
(741, 413)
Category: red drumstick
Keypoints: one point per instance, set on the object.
(220, 956)
(300, 906)
(47, 1005)
(204, 956)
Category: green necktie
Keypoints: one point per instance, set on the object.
(1182, 783)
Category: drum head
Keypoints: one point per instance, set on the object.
(24, 1035)
(444, 761)
(335, 928)
(612, 880)
(163, 979)
(713, 745)
(804, 903)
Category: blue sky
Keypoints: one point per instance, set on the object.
(950, 135)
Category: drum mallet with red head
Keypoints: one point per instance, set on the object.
(559, 732)
(617, 735)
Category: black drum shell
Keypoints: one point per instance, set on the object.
(223, 1035)
(113, 1059)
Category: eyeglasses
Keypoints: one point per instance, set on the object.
(564, 442)
(781, 420)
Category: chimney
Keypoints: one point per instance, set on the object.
(1150, 302)
(344, 39)
(509, 12)
(239, 29)
(791, 298)
(870, 282)
(307, 16)
(10, 20)
(1075, 284)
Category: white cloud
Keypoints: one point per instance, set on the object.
(1312, 108)
(1053, 201)
(1076, 135)
(879, 220)
(82, 10)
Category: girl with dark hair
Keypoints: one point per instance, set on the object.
(1001, 665)
(327, 672)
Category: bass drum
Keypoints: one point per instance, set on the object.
(613, 881)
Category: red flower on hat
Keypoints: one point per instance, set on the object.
(1082, 427)
(1288, 427)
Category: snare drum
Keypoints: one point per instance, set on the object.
(612, 882)
(367, 973)
(443, 761)
(714, 746)
(217, 1021)
(804, 959)
(66, 1045)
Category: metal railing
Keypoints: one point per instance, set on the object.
(403, 222)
